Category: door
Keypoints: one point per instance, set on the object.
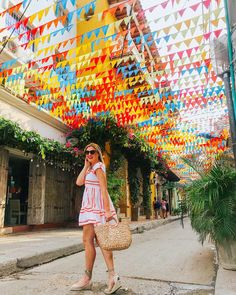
(17, 192)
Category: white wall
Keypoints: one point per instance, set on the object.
(13, 108)
(48, 127)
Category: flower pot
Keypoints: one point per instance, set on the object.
(227, 254)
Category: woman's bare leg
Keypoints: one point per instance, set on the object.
(108, 257)
(90, 255)
(88, 240)
(113, 279)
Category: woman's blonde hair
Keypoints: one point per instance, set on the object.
(97, 148)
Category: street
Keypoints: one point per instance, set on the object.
(163, 261)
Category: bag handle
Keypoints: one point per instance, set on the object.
(113, 218)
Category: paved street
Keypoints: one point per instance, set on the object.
(163, 261)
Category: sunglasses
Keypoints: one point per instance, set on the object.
(92, 152)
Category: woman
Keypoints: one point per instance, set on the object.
(97, 208)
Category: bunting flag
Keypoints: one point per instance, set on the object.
(149, 66)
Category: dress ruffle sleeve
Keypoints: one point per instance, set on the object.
(99, 165)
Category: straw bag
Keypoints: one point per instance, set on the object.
(113, 237)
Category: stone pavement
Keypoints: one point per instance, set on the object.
(25, 250)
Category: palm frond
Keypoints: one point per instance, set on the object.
(211, 200)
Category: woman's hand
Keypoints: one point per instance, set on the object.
(108, 216)
(86, 164)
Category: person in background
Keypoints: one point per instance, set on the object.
(97, 208)
(156, 207)
(163, 208)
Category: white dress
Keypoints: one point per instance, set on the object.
(92, 210)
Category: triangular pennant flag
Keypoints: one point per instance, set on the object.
(181, 12)
(195, 6)
(207, 3)
(164, 4)
(105, 29)
(217, 33)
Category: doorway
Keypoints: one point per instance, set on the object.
(17, 192)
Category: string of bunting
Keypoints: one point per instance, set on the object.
(158, 77)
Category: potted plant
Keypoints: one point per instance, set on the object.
(211, 200)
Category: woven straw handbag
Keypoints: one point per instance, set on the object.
(113, 237)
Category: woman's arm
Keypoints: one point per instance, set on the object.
(81, 178)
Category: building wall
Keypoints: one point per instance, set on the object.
(29, 122)
(52, 194)
(92, 23)
(232, 9)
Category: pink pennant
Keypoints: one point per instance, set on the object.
(180, 54)
(164, 4)
(207, 3)
(207, 35)
(217, 33)
(172, 56)
(181, 12)
(169, 47)
(152, 8)
(189, 51)
(195, 6)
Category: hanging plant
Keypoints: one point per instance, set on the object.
(100, 131)
(146, 190)
(134, 183)
(44, 149)
(114, 185)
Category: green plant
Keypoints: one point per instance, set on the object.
(211, 200)
(114, 185)
(146, 171)
(134, 183)
(100, 130)
(43, 149)
(123, 141)
(176, 211)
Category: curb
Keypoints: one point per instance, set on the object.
(20, 264)
(151, 225)
(45, 257)
(16, 265)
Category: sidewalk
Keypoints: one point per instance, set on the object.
(25, 250)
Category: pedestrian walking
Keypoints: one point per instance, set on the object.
(163, 208)
(97, 208)
(156, 207)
